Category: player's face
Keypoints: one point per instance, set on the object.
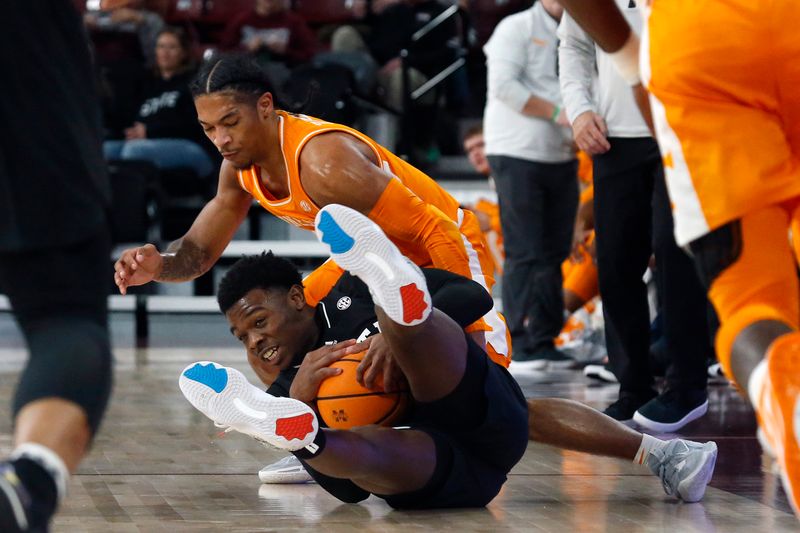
(476, 153)
(272, 326)
(232, 125)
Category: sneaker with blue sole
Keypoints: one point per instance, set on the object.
(225, 396)
(359, 245)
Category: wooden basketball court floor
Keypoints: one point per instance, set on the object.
(159, 465)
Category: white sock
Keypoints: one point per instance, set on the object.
(646, 447)
(47, 459)
(755, 384)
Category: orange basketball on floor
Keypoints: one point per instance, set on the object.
(343, 403)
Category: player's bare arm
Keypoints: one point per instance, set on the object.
(196, 252)
(338, 168)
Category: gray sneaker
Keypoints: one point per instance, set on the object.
(684, 467)
(286, 471)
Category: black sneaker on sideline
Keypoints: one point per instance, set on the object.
(15, 502)
(671, 410)
(624, 408)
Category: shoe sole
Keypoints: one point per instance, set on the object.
(783, 368)
(692, 488)
(225, 396)
(668, 427)
(358, 245)
(527, 366)
(294, 476)
(600, 374)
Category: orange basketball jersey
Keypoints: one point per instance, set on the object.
(463, 249)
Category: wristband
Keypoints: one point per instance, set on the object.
(556, 112)
(626, 60)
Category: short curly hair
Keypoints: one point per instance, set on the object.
(265, 271)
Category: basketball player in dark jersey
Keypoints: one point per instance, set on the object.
(54, 252)
(469, 424)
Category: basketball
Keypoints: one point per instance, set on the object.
(343, 403)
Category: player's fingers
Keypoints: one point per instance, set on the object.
(148, 250)
(372, 375)
(366, 362)
(389, 377)
(358, 347)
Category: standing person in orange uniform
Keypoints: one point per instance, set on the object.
(727, 117)
(293, 165)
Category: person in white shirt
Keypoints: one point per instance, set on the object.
(633, 221)
(533, 161)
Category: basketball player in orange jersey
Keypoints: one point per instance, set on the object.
(293, 165)
(466, 409)
(726, 111)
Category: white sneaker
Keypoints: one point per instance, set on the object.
(225, 396)
(286, 471)
(684, 467)
(600, 372)
(358, 245)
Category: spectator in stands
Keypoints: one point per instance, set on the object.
(114, 22)
(534, 165)
(271, 32)
(392, 23)
(166, 132)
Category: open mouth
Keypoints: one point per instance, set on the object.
(269, 353)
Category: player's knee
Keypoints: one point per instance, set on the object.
(733, 325)
(70, 359)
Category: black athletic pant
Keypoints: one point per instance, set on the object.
(59, 298)
(632, 220)
(538, 203)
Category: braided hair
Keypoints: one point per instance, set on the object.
(238, 74)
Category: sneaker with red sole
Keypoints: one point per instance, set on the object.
(359, 245)
(225, 396)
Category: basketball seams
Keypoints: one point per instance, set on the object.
(359, 395)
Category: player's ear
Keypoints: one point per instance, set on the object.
(297, 297)
(265, 105)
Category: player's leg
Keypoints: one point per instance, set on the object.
(750, 270)
(573, 426)
(65, 386)
(732, 149)
(421, 337)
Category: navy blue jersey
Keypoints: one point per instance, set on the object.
(347, 312)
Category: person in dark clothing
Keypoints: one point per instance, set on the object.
(54, 253)
(166, 132)
(271, 30)
(469, 424)
(391, 29)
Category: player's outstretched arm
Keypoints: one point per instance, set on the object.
(197, 251)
